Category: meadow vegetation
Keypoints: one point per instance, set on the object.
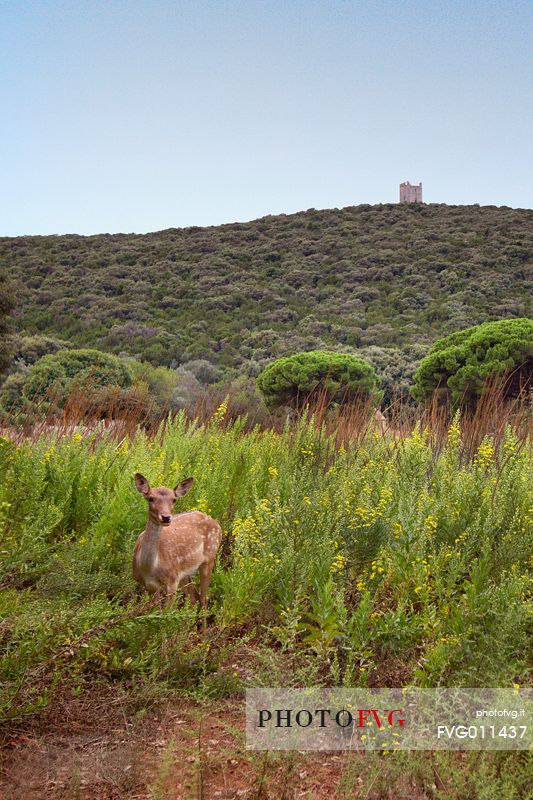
(378, 561)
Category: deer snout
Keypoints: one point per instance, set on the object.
(166, 519)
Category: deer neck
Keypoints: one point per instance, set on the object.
(150, 546)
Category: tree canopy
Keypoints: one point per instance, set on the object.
(458, 366)
(297, 379)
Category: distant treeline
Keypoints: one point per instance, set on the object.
(383, 281)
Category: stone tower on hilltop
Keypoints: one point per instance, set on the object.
(410, 194)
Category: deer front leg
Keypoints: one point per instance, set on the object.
(166, 594)
(157, 597)
(205, 571)
(188, 587)
(205, 578)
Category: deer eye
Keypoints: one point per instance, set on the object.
(150, 499)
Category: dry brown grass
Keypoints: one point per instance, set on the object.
(111, 415)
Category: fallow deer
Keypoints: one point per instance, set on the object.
(172, 548)
(380, 421)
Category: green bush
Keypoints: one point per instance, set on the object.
(7, 304)
(70, 369)
(159, 382)
(29, 349)
(12, 389)
(458, 366)
(295, 380)
(53, 378)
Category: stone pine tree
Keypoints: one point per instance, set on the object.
(459, 368)
(7, 304)
(304, 377)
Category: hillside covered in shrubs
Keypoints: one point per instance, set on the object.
(384, 282)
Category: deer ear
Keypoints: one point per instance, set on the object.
(141, 484)
(182, 488)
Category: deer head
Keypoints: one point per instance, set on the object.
(160, 499)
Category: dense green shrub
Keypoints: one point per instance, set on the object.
(159, 382)
(203, 370)
(391, 276)
(167, 390)
(68, 370)
(52, 379)
(7, 303)
(458, 366)
(12, 389)
(104, 384)
(395, 367)
(26, 351)
(29, 349)
(295, 380)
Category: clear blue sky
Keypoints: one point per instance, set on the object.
(147, 114)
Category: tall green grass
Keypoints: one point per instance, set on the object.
(392, 560)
